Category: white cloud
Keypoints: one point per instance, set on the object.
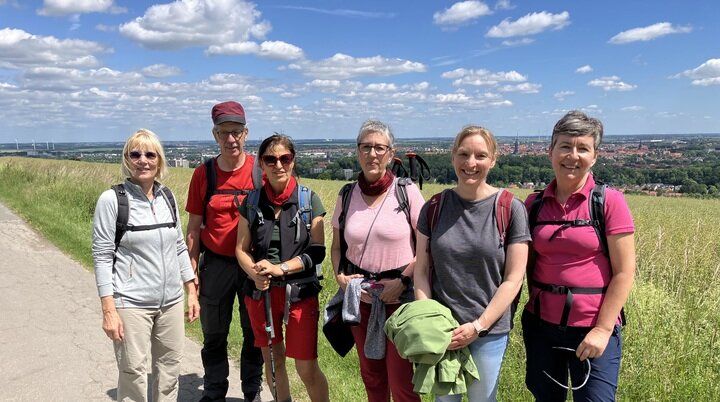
(518, 42)
(68, 79)
(648, 33)
(275, 50)
(529, 24)
(525, 87)
(563, 94)
(381, 87)
(705, 74)
(342, 66)
(461, 13)
(632, 108)
(160, 71)
(188, 23)
(504, 5)
(20, 49)
(482, 77)
(612, 83)
(57, 8)
(341, 12)
(584, 69)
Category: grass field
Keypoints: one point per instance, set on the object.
(672, 340)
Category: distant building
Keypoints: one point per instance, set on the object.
(348, 173)
(184, 163)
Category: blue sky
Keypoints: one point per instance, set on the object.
(96, 70)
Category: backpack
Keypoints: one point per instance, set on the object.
(419, 169)
(211, 179)
(503, 214)
(403, 205)
(596, 207)
(123, 214)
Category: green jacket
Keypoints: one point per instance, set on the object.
(421, 331)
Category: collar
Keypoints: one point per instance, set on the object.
(583, 192)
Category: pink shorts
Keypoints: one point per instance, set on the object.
(302, 326)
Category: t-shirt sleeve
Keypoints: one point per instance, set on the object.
(422, 223)
(618, 218)
(518, 230)
(196, 192)
(416, 201)
(317, 207)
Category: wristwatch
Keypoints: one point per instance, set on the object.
(406, 280)
(479, 330)
(285, 268)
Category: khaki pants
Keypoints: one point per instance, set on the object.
(161, 332)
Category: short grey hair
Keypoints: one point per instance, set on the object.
(577, 124)
(376, 126)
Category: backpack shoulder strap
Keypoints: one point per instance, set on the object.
(305, 205)
(253, 211)
(535, 209)
(345, 195)
(503, 213)
(433, 211)
(170, 198)
(211, 181)
(121, 223)
(596, 203)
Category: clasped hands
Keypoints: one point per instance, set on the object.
(262, 272)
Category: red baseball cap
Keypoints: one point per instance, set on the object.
(228, 111)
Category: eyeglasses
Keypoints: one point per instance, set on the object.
(236, 134)
(366, 148)
(149, 155)
(587, 375)
(271, 160)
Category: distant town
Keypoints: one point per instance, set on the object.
(667, 165)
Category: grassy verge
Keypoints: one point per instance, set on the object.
(671, 342)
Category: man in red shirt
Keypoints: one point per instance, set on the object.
(212, 232)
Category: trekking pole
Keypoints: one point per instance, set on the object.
(270, 329)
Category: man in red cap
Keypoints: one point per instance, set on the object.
(217, 187)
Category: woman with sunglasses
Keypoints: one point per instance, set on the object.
(578, 282)
(140, 278)
(381, 254)
(279, 250)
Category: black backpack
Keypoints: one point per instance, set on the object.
(123, 214)
(596, 206)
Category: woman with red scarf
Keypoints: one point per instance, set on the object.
(381, 254)
(279, 253)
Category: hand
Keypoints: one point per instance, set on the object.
(462, 336)
(393, 288)
(113, 326)
(265, 267)
(193, 307)
(594, 344)
(342, 279)
(196, 283)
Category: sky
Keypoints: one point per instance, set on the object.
(97, 70)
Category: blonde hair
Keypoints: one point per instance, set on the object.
(476, 130)
(144, 140)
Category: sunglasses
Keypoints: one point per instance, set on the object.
(149, 155)
(271, 160)
(587, 375)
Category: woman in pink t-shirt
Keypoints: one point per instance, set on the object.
(378, 235)
(577, 284)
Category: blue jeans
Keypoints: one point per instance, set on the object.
(488, 353)
(541, 337)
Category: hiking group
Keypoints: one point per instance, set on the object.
(427, 291)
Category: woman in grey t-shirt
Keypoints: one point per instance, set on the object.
(475, 272)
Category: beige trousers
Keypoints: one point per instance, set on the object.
(159, 332)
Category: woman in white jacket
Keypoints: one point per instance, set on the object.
(140, 279)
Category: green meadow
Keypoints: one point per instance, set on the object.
(671, 341)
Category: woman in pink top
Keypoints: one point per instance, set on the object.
(577, 284)
(380, 248)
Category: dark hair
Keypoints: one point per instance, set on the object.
(577, 124)
(274, 140)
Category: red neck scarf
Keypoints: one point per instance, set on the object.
(281, 198)
(377, 187)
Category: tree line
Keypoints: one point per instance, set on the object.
(700, 176)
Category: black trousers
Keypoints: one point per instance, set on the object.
(221, 281)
